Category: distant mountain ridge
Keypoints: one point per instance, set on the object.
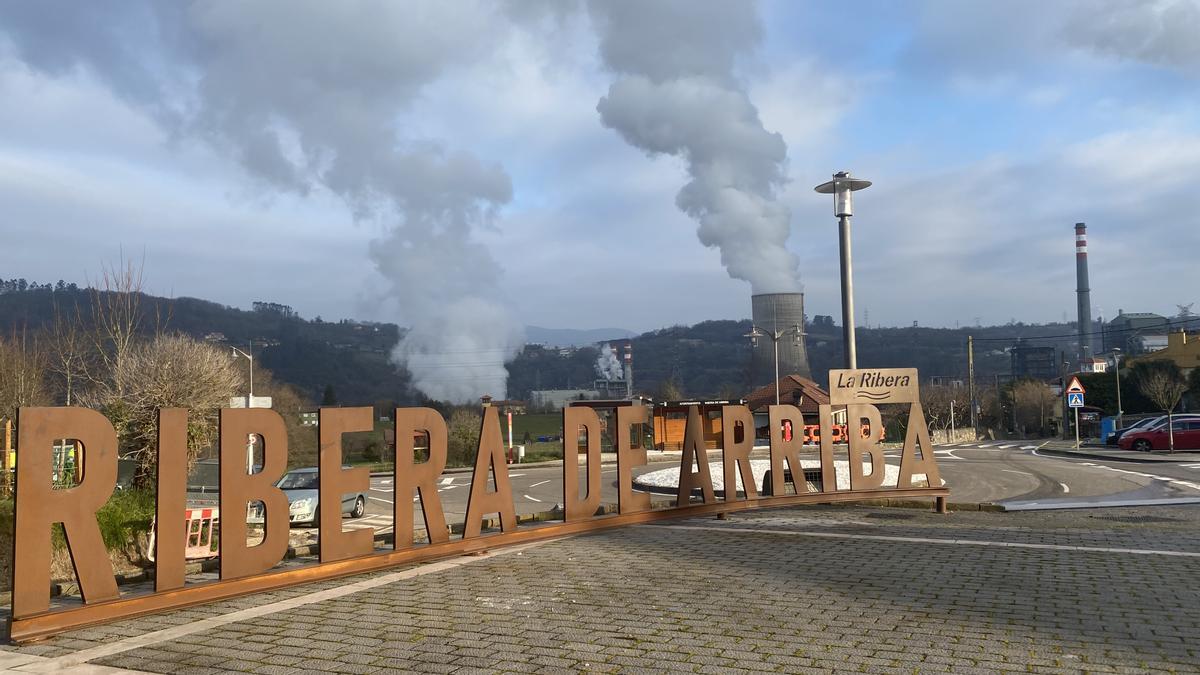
(710, 358)
(574, 337)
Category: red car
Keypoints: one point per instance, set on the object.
(1187, 437)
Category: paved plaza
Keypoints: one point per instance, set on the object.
(783, 590)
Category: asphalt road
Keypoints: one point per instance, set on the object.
(1013, 474)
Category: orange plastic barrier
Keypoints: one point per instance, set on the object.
(202, 523)
(812, 433)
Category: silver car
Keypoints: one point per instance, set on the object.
(300, 486)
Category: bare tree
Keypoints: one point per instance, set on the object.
(944, 407)
(117, 316)
(22, 374)
(22, 383)
(69, 352)
(1034, 402)
(166, 372)
(1163, 383)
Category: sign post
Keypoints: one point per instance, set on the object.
(1075, 392)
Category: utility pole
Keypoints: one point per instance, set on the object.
(971, 384)
(1062, 397)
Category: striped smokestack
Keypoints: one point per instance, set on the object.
(1083, 292)
(629, 371)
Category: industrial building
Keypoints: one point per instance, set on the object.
(781, 316)
(1135, 332)
(1031, 361)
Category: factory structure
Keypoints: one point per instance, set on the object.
(781, 317)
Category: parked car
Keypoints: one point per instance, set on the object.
(301, 487)
(1115, 437)
(1186, 431)
(1148, 424)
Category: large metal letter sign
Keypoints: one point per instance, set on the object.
(251, 568)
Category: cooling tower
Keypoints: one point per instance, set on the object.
(775, 313)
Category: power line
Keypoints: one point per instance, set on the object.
(1167, 323)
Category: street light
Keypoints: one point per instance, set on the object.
(841, 188)
(236, 352)
(1116, 352)
(775, 336)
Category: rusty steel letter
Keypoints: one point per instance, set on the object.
(735, 455)
(918, 433)
(39, 505)
(170, 522)
(574, 418)
(694, 448)
(239, 487)
(421, 477)
(628, 457)
(855, 414)
(786, 449)
(828, 470)
(489, 459)
(334, 482)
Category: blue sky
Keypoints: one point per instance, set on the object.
(988, 128)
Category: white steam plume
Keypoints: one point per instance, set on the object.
(608, 365)
(677, 94)
(305, 96)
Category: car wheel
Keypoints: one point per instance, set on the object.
(1142, 445)
(360, 507)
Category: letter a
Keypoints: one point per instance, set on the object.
(693, 447)
(489, 459)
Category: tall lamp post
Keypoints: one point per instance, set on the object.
(236, 352)
(841, 188)
(1116, 352)
(775, 336)
(249, 404)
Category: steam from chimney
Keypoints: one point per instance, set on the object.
(305, 97)
(676, 94)
(608, 366)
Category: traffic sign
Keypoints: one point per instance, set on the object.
(1075, 387)
(1075, 399)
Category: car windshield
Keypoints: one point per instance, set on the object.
(298, 480)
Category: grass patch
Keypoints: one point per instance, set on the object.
(543, 452)
(537, 424)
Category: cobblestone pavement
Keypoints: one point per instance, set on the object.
(787, 590)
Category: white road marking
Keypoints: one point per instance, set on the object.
(44, 665)
(1185, 483)
(539, 483)
(931, 540)
(515, 475)
(1064, 487)
(1023, 473)
(1029, 447)
(448, 487)
(387, 481)
(380, 500)
(1008, 445)
(447, 480)
(1190, 466)
(532, 499)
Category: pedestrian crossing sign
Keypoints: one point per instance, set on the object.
(1075, 400)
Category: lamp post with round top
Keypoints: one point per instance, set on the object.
(842, 187)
